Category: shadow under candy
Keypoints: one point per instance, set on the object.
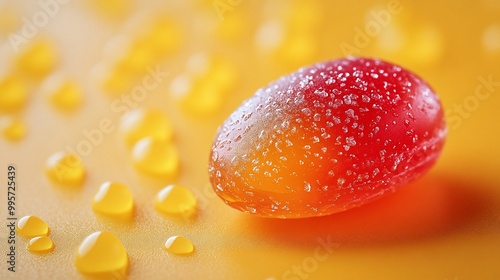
(429, 207)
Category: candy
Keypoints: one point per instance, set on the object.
(327, 138)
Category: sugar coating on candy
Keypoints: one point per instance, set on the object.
(327, 138)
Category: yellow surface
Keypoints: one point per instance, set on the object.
(446, 226)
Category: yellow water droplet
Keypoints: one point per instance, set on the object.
(415, 44)
(100, 253)
(298, 49)
(212, 69)
(304, 16)
(13, 93)
(134, 55)
(9, 18)
(112, 8)
(233, 27)
(65, 168)
(153, 157)
(140, 123)
(164, 36)
(31, 226)
(197, 97)
(112, 79)
(175, 199)
(179, 245)
(202, 89)
(113, 199)
(40, 244)
(287, 36)
(14, 129)
(38, 59)
(64, 94)
(222, 74)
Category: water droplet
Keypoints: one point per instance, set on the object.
(14, 129)
(101, 252)
(157, 158)
(40, 244)
(65, 168)
(38, 59)
(140, 123)
(31, 226)
(13, 93)
(63, 93)
(317, 117)
(113, 199)
(307, 187)
(175, 199)
(179, 245)
(350, 141)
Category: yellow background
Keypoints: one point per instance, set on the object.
(446, 226)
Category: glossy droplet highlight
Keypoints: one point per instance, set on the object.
(113, 199)
(65, 168)
(31, 226)
(40, 244)
(175, 199)
(141, 123)
(156, 158)
(101, 252)
(178, 245)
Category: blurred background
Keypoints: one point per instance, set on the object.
(68, 66)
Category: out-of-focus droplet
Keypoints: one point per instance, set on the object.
(234, 27)
(63, 93)
(305, 16)
(101, 252)
(113, 9)
(212, 69)
(175, 199)
(38, 59)
(157, 158)
(112, 79)
(201, 90)
(113, 199)
(40, 244)
(428, 45)
(135, 55)
(270, 35)
(9, 20)
(298, 49)
(491, 38)
(141, 123)
(197, 98)
(65, 168)
(179, 245)
(31, 226)
(14, 129)
(13, 93)
(418, 44)
(164, 35)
